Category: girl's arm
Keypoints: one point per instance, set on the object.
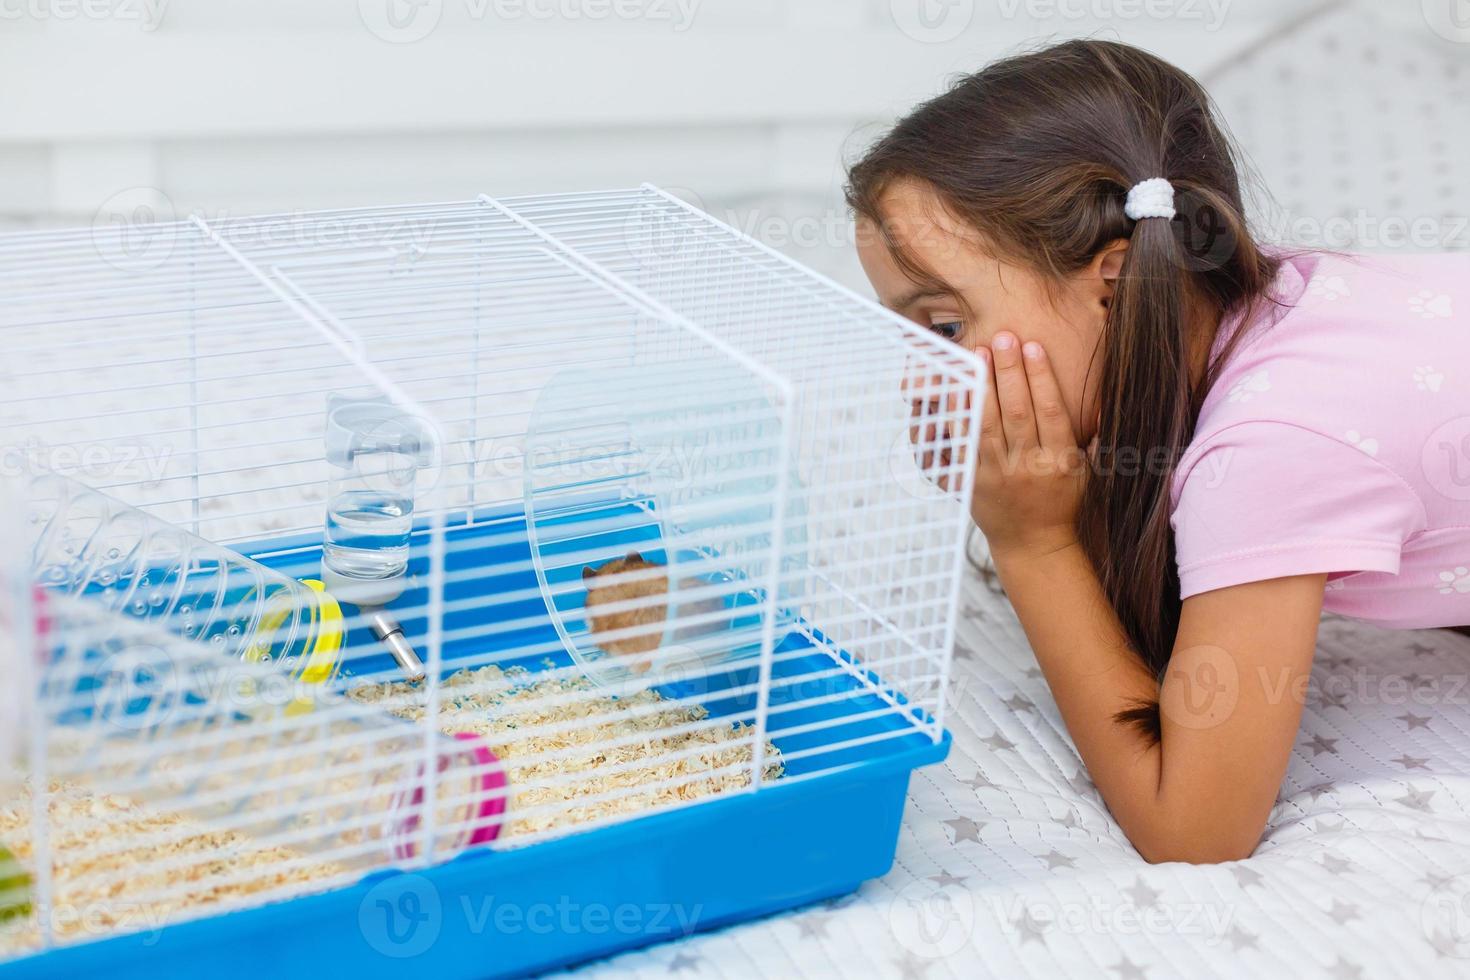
(1232, 696)
(1231, 700)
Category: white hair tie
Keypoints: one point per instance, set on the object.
(1152, 198)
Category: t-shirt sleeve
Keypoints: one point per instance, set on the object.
(1263, 500)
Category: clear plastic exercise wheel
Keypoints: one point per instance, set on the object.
(657, 499)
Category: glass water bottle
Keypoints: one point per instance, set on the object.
(374, 450)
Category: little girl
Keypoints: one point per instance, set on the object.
(1267, 435)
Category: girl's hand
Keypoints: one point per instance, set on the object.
(1029, 478)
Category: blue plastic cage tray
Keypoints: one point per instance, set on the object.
(830, 823)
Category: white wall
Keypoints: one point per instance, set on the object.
(747, 106)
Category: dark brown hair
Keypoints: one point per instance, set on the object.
(1037, 153)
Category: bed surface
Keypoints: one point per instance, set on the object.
(1009, 864)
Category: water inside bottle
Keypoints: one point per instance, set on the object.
(367, 533)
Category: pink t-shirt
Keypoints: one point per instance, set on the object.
(1337, 439)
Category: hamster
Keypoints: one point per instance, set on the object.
(649, 614)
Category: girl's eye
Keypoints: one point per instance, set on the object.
(949, 329)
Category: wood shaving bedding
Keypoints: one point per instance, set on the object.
(547, 793)
(97, 893)
(567, 789)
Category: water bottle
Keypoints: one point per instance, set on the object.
(374, 450)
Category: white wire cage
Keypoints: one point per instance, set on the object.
(668, 539)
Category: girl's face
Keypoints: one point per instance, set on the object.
(980, 299)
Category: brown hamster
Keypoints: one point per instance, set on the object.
(648, 615)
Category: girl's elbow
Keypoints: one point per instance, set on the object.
(1194, 853)
(1188, 847)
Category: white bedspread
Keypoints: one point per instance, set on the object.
(1009, 865)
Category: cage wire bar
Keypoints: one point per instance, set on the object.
(839, 350)
(605, 376)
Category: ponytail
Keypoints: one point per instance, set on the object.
(1144, 406)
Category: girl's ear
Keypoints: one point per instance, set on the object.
(1105, 268)
(1109, 261)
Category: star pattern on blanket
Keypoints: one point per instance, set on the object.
(1126, 969)
(1336, 864)
(978, 781)
(684, 960)
(1417, 799)
(1414, 721)
(1019, 702)
(1342, 912)
(1411, 762)
(812, 926)
(965, 828)
(999, 742)
(1240, 939)
(910, 967)
(1141, 894)
(945, 879)
(1080, 783)
(1245, 876)
(1056, 859)
(1345, 970)
(1418, 681)
(1320, 744)
(1030, 928)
